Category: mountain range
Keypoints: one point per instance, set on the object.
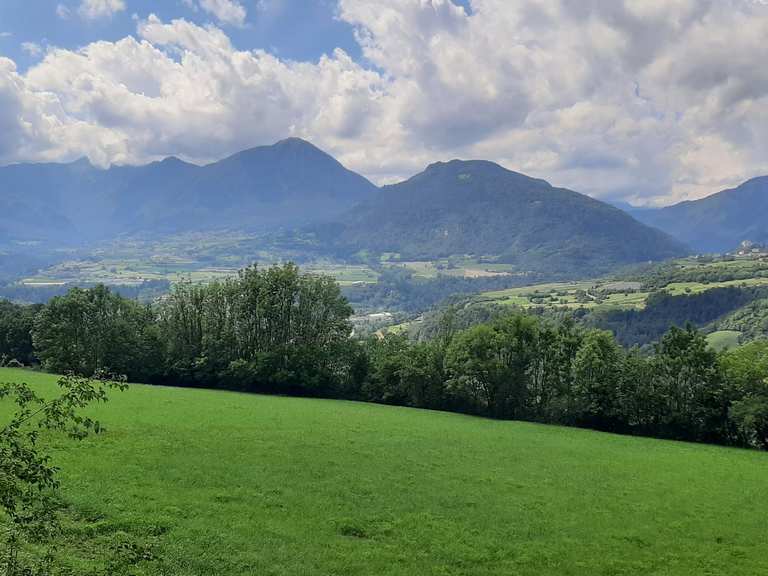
(483, 209)
(452, 208)
(289, 184)
(717, 223)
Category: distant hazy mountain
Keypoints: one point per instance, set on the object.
(718, 223)
(483, 209)
(289, 184)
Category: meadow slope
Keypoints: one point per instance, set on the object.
(230, 484)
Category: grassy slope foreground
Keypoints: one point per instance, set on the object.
(243, 485)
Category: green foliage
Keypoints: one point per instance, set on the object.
(688, 376)
(746, 370)
(216, 483)
(662, 310)
(92, 330)
(597, 368)
(277, 330)
(489, 365)
(751, 321)
(272, 330)
(529, 368)
(16, 324)
(699, 270)
(28, 479)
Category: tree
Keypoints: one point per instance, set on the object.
(746, 374)
(489, 365)
(596, 371)
(28, 479)
(92, 330)
(271, 330)
(690, 379)
(16, 324)
(475, 369)
(642, 402)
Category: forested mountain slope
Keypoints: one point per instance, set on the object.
(289, 184)
(480, 208)
(717, 223)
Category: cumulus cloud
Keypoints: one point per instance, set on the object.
(32, 48)
(646, 100)
(226, 11)
(96, 9)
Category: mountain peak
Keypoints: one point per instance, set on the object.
(480, 208)
(465, 169)
(757, 180)
(287, 148)
(719, 222)
(294, 141)
(462, 164)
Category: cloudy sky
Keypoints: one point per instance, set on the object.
(651, 101)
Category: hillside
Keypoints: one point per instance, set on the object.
(717, 223)
(480, 208)
(221, 483)
(289, 184)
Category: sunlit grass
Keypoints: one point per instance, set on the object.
(231, 484)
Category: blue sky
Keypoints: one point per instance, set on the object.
(650, 101)
(293, 29)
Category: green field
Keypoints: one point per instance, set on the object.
(677, 288)
(228, 484)
(599, 294)
(456, 267)
(570, 295)
(724, 339)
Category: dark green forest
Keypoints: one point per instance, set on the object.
(277, 330)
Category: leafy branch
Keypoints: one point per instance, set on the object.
(28, 478)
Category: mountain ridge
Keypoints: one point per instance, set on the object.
(455, 207)
(719, 222)
(481, 208)
(288, 184)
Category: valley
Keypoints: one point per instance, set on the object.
(383, 288)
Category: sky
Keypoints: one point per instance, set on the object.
(646, 101)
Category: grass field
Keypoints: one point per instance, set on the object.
(599, 294)
(566, 295)
(229, 484)
(677, 288)
(724, 339)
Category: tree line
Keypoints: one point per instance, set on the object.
(277, 330)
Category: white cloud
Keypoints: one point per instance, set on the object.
(647, 100)
(32, 48)
(6, 34)
(96, 9)
(63, 11)
(226, 11)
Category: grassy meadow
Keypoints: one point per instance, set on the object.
(724, 339)
(600, 294)
(217, 483)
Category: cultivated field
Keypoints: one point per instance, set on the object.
(572, 295)
(221, 483)
(601, 294)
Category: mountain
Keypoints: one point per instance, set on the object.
(480, 208)
(289, 184)
(717, 223)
